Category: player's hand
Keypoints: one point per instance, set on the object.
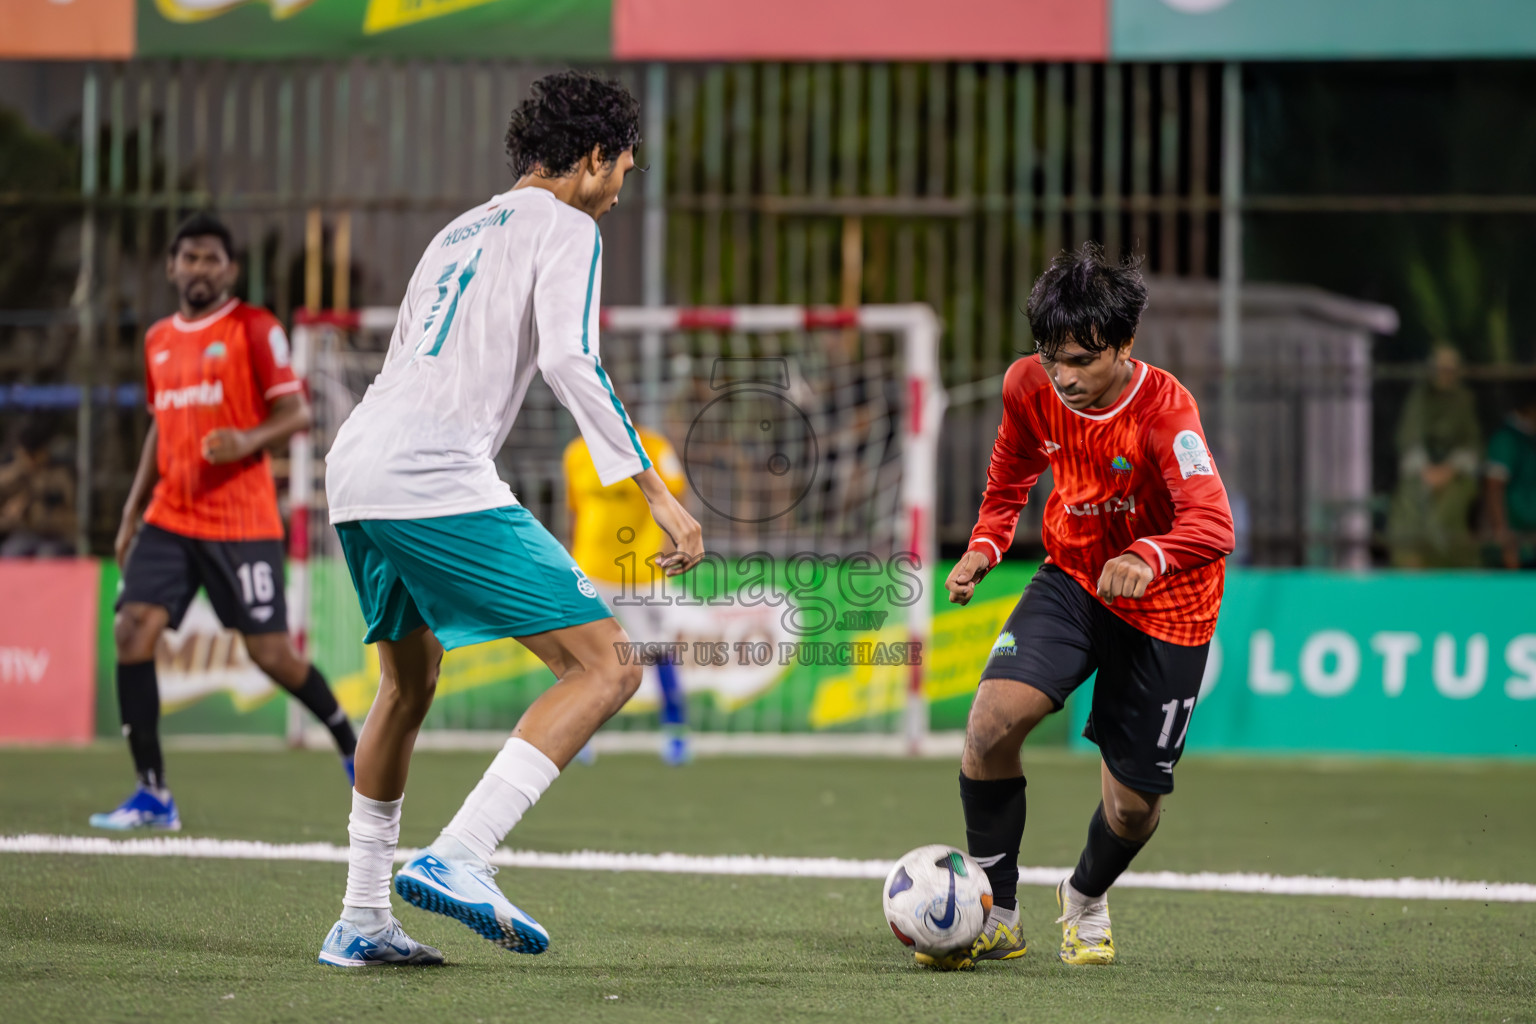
(683, 531)
(227, 444)
(128, 529)
(1125, 576)
(961, 584)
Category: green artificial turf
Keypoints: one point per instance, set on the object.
(108, 938)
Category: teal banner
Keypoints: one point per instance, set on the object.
(1401, 663)
(1320, 29)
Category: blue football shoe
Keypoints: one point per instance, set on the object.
(464, 891)
(345, 946)
(141, 810)
(674, 750)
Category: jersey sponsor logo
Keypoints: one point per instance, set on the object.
(1120, 464)
(277, 341)
(582, 583)
(1050, 447)
(162, 356)
(1005, 644)
(205, 393)
(1190, 452)
(1111, 506)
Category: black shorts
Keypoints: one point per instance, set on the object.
(244, 578)
(1059, 634)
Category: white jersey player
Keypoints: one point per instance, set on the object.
(441, 553)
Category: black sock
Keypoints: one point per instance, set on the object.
(316, 695)
(994, 827)
(138, 704)
(1104, 858)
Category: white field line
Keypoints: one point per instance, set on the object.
(788, 867)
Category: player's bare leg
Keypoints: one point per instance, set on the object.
(1121, 826)
(408, 671)
(135, 631)
(275, 654)
(992, 795)
(1003, 714)
(453, 875)
(367, 933)
(593, 685)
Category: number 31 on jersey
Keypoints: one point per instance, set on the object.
(452, 279)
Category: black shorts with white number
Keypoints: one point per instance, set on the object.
(244, 578)
(1059, 635)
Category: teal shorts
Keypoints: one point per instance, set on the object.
(470, 578)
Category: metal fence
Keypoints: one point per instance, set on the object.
(947, 183)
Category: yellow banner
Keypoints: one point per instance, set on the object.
(384, 15)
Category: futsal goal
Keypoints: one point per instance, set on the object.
(808, 439)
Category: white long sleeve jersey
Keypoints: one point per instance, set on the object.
(508, 287)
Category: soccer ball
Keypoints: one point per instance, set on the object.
(936, 899)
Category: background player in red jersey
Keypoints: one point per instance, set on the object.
(221, 392)
(1135, 533)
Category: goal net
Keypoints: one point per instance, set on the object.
(808, 440)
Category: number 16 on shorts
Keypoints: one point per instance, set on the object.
(257, 585)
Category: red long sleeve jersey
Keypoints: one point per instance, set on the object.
(1136, 477)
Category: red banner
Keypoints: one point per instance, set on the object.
(861, 30)
(66, 29)
(48, 616)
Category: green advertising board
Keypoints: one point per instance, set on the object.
(1303, 661)
(1390, 663)
(1320, 29)
(822, 658)
(570, 29)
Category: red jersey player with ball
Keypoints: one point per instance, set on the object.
(1135, 535)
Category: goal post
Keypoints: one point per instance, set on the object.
(854, 402)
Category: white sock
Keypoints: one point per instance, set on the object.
(1003, 915)
(516, 779)
(374, 829)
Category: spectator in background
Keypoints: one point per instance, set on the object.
(1438, 444)
(1509, 485)
(37, 499)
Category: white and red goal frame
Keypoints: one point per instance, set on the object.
(914, 323)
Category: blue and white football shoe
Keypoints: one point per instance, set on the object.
(345, 946)
(464, 891)
(141, 810)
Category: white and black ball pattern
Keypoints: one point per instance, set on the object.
(936, 899)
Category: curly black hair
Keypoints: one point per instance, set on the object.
(567, 114)
(1085, 298)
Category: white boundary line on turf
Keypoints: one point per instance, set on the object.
(787, 867)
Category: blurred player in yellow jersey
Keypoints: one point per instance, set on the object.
(612, 535)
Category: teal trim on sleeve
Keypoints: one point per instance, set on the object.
(597, 364)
